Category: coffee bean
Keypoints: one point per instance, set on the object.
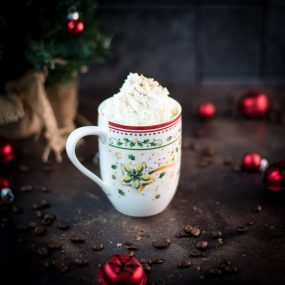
(257, 208)
(250, 223)
(39, 230)
(161, 243)
(44, 189)
(131, 246)
(158, 260)
(81, 261)
(42, 251)
(187, 228)
(60, 266)
(16, 209)
(227, 161)
(77, 239)
(41, 206)
(215, 271)
(48, 219)
(97, 246)
(208, 152)
(62, 225)
(196, 253)
(202, 245)
(241, 229)
(54, 245)
(146, 267)
(217, 234)
(26, 188)
(195, 232)
(184, 263)
(23, 227)
(39, 213)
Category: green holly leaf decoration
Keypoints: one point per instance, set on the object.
(131, 157)
(121, 192)
(114, 166)
(162, 174)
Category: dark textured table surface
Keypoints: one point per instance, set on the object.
(216, 197)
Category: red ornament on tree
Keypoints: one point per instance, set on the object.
(254, 104)
(274, 176)
(121, 269)
(206, 110)
(75, 27)
(7, 152)
(251, 161)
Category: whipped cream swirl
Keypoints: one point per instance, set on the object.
(141, 101)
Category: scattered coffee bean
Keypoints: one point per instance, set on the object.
(131, 246)
(228, 267)
(257, 208)
(24, 168)
(227, 161)
(208, 152)
(197, 268)
(54, 245)
(97, 246)
(241, 229)
(60, 266)
(161, 243)
(250, 223)
(39, 213)
(146, 267)
(217, 234)
(62, 225)
(77, 239)
(196, 253)
(48, 219)
(16, 209)
(26, 188)
(184, 263)
(202, 245)
(187, 228)
(42, 251)
(81, 261)
(44, 189)
(23, 227)
(195, 232)
(215, 271)
(158, 260)
(39, 230)
(41, 206)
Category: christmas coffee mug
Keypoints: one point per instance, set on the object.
(140, 165)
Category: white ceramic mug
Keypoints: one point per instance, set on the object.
(140, 165)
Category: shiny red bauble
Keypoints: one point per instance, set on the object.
(4, 183)
(121, 269)
(254, 104)
(75, 27)
(206, 110)
(251, 161)
(7, 152)
(274, 176)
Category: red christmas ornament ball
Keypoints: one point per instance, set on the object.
(7, 152)
(254, 104)
(274, 176)
(206, 110)
(251, 161)
(4, 183)
(75, 27)
(121, 269)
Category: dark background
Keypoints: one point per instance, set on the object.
(185, 42)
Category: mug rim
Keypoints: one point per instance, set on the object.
(142, 127)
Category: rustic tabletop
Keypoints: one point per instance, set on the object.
(213, 194)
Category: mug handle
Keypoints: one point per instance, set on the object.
(71, 142)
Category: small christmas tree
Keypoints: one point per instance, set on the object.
(59, 35)
(43, 46)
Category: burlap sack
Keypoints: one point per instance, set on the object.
(27, 109)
